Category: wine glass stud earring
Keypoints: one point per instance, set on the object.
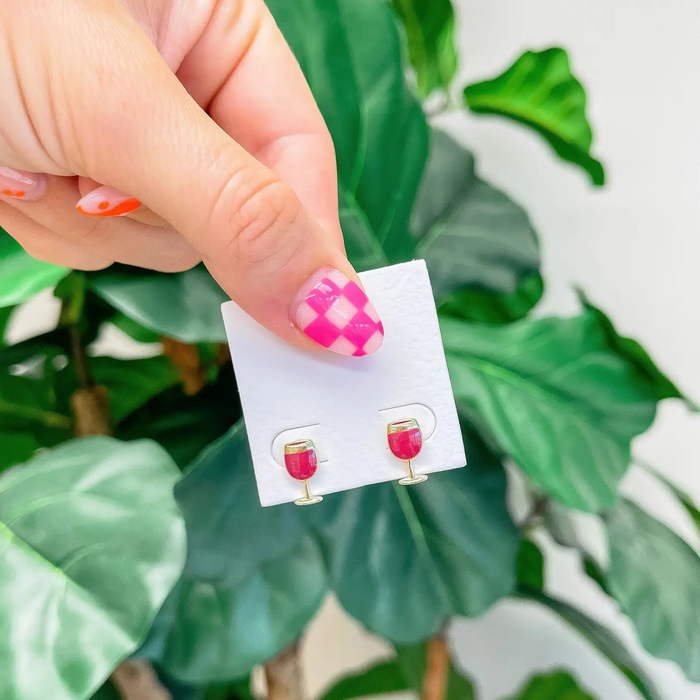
(301, 463)
(405, 442)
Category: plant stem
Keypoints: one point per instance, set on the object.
(437, 668)
(135, 679)
(283, 674)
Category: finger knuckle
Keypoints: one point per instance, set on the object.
(259, 219)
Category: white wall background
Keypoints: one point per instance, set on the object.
(634, 246)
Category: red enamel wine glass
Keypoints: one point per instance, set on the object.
(301, 462)
(405, 442)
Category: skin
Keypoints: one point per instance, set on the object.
(198, 109)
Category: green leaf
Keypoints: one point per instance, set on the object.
(654, 575)
(22, 276)
(429, 26)
(130, 383)
(557, 685)
(253, 579)
(592, 569)
(229, 532)
(539, 90)
(603, 639)
(636, 355)
(28, 418)
(405, 672)
(402, 560)
(469, 233)
(554, 396)
(5, 315)
(134, 330)
(185, 425)
(483, 306)
(93, 543)
(217, 631)
(350, 52)
(185, 306)
(685, 500)
(530, 565)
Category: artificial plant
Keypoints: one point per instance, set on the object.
(102, 559)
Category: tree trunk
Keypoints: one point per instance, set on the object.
(436, 669)
(135, 679)
(283, 674)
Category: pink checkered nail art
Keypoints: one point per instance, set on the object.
(336, 313)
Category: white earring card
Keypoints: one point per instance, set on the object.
(344, 404)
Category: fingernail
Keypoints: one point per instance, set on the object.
(107, 201)
(22, 184)
(336, 313)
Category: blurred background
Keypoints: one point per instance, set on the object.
(634, 245)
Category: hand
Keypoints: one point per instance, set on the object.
(183, 131)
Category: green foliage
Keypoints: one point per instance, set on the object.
(484, 306)
(184, 306)
(429, 26)
(21, 276)
(654, 577)
(539, 90)
(557, 397)
(92, 543)
(470, 234)
(252, 581)
(447, 548)
(603, 639)
(558, 685)
(93, 560)
(405, 672)
(630, 349)
(350, 53)
(530, 565)
(29, 418)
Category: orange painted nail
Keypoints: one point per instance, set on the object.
(107, 201)
(21, 184)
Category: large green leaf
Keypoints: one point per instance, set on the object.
(21, 276)
(92, 544)
(539, 90)
(350, 52)
(405, 672)
(556, 397)
(429, 26)
(558, 685)
(603, 639)
(212, 632)
(637, 355)
(655, 577)
(229, 532)
(253, 579)
(484, 306)
(469, 233)
(185, 306)
(402, 560)
(28, 418)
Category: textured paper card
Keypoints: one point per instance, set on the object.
(344, 404)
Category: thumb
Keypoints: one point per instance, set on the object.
(257, 239)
